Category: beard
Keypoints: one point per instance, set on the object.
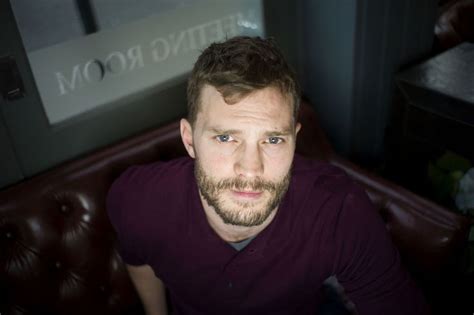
(241, 213)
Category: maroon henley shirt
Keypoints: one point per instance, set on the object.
(325, 225)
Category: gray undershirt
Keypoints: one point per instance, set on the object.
(241, 245)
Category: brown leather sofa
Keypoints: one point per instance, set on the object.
(58, 251)
(455, 24)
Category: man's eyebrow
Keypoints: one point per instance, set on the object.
(271, 133)
(275, 133)
(223, 131)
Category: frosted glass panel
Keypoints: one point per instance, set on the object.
(87, 54)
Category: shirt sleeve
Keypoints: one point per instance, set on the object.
(122, 205)
(367, 264)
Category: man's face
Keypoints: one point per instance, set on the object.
(244, 153)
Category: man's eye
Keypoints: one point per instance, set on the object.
(223, 138)
(275, 140)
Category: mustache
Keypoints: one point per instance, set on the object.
(257, 184)
(213, 186)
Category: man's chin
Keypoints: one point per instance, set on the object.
(244, 215)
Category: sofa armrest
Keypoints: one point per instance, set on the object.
(428, 236)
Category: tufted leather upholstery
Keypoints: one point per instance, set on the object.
(57, 248)
(455, 24)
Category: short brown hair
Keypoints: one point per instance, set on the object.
(239, 66)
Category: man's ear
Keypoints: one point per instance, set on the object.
(187, 136)
(297, 129)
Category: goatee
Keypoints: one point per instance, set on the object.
(244, 213)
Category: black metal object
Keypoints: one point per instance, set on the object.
(89, 22)
(11, 84)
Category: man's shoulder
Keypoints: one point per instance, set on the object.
(143, 201)
(150, 184)
(159, 174)
(331, 202)
(320, 175)
(320, 190)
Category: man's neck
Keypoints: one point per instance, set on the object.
(233, 233)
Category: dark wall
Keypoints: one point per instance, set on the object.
(351, 51)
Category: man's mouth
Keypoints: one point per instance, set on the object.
(247, 194)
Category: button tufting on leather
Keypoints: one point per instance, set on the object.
(64, 209)
(9, 235)
(58, 265)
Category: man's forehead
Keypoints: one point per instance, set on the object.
(259, 100)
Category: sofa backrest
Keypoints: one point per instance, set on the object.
(58, 250)
(57, 247)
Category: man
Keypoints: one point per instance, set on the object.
(244, 226)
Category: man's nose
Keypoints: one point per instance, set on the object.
(249, 163)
